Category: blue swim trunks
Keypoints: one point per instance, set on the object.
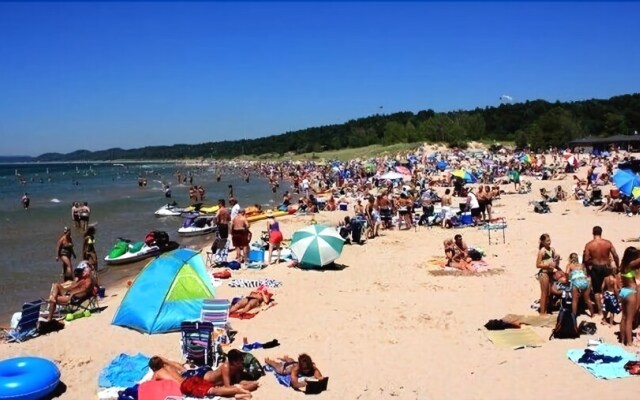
(198, 372)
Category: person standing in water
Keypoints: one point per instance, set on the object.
(85, 213)
(64, 251)
(89, 247)
(25, 200)
(75, 214)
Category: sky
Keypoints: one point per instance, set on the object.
(94, 76)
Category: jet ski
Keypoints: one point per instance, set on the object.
(196, 224)
(125, 251)
(169, 210)
(202, 209)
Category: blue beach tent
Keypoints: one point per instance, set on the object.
(169, 290)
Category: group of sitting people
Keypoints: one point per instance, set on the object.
(459, 255)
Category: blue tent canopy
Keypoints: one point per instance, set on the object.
(169, 290)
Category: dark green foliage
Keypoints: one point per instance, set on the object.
(536, 123)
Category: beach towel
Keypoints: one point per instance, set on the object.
(254, 283)
(605, 361)
(283, 379)
(153, 390)
(124, 371)
(515, 338)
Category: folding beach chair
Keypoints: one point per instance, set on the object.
(89, 302)
(216, 312)
(28, 325)
(197, 342)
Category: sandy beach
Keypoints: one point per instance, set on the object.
(390, 324)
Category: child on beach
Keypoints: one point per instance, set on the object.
(580, 283)
(611, 290)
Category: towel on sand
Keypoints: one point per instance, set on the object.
(283, 379)
(124, 371)
(610, 370)
(515, 338)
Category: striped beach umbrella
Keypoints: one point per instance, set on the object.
(317, 245)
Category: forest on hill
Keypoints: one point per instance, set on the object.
(537, 124)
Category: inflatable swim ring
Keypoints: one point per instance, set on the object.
(23, 378)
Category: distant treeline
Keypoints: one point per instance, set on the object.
(538, 124)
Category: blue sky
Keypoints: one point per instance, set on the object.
(93, 76)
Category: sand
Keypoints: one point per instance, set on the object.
(386, 326)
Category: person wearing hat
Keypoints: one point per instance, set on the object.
(240, 235)
(64, 251)
(275, 237)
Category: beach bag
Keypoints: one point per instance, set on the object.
(566, 326)
(587, 328)
(252, 370)
(475, 255)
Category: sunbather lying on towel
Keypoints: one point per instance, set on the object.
(260, 296)
(202, 382)
(299, 370)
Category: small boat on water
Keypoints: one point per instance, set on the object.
(125, 251)
(196, 224)
(170, 210)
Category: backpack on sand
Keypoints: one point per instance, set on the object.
(566, 326)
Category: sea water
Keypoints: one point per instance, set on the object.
(119, 208)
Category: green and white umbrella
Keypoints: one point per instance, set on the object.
(317, 245)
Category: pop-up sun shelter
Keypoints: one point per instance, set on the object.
(169, 290)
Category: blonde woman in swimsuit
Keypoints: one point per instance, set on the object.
(546, 262)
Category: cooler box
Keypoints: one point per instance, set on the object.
(343, 207)
(255, 256)
(466, 219)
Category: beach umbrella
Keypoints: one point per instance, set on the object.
(403, 170)
(442, 165)
(526, 158)
(466, 175)
(570, 158)
(636, 193)
(391, 175)
(626, 181)
(317, 245)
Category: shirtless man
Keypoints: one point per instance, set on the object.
(240, 235)
(63, 293)
(223, 218)
(224, 381)
(596, 258)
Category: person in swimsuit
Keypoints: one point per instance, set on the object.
(275, 237)
(629, 293)
(488, 201)
(64, 293)
(597, 255)
(64, 251)
(89, 247)
(203, 381)
(240, 235)
(299, 370)
(580, 284)
(84, 212)
(254, 300)
(75, 214)
(546, 262)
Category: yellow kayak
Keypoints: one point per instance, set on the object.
(261, 216)
(203, 209)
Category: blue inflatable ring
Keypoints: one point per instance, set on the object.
(27, 378)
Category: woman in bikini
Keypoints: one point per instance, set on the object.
(275, 237)
(64, 251)
(89, 247)
(628, 294)
(300, 370)
(254, 300)
(580, 284)
(546, 262)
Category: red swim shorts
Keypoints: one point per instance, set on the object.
(275, 237)
(195, 386)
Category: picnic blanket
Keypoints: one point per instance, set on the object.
(605, 361)
(124, 370)
(254, 283)
(515, 338)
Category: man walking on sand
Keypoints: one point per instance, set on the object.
(596, 258)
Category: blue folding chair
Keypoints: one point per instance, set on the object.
(197, 346)
(28, 325)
